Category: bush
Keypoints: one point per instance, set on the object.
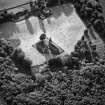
(18, 55)
(5, 48)
(55, 63)
(23, 63)
(26, 65)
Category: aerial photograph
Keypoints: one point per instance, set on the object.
(52, 52)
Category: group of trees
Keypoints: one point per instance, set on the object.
(63, 81)
(56, 85)
(91, 13)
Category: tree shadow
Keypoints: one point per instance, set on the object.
(29, 26)
(52, 3)
(42, 25)
(57, 11)
(48, 20)
(8, 29)
(67, 9)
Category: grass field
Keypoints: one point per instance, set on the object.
(25, 29)
(64, 27)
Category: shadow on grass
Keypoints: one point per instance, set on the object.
(29, 26)
(67, 9)
(42, 25)
(8, 29)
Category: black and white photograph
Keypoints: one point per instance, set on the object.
(52, 52)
